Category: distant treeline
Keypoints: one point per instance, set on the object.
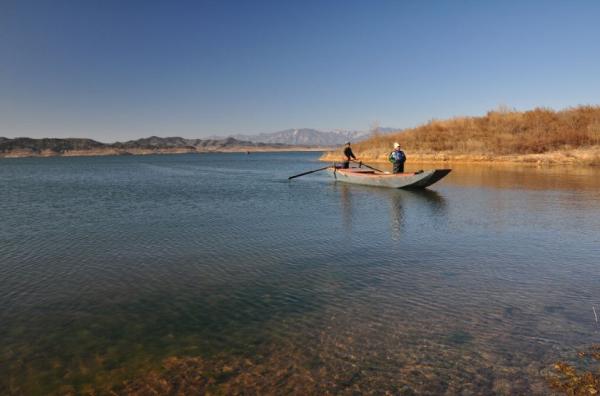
(499, 132)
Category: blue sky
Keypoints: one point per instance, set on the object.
(114, 70)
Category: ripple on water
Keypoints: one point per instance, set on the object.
(117, 272)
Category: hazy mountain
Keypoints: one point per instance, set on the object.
(302, 136)
(311, 137)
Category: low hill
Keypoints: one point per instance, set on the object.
(54, 145)
(155, 142)
(49, 147)
(540, 135)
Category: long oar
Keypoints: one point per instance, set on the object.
(370, 167)
(309, 172)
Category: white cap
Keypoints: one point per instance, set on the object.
(396, 145)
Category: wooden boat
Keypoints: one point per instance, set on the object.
(420, 179)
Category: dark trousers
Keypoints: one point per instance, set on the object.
(398, 167)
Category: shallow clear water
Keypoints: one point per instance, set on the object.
(109, 265)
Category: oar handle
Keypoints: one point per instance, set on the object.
(368, 166)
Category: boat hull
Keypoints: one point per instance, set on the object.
(421, 179)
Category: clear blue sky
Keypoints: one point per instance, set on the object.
(122, 69)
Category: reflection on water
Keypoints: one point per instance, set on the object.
(396, 215)
(521, 176)
(142, 273)
(433, 200)
(346, 204)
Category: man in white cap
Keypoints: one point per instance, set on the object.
(397, 158)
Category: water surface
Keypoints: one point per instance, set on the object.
(110, 265)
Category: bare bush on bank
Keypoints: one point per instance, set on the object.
(502, 132)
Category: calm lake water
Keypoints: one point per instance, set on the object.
(117, 269)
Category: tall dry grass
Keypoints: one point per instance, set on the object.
(499, 132)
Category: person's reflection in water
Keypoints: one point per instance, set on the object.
(397, 214)
(346, 203)
(402, 199)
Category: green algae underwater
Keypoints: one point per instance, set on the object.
(213, 274)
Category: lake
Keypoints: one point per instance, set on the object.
(213, 271)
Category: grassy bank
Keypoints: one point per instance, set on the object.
(570, 136)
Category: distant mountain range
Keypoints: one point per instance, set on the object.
(27, 147)
(311, 137)
(288, 139)
(155, 142)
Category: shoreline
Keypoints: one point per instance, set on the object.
(579, 157)
(140, 152)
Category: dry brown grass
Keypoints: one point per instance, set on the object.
(502, 132)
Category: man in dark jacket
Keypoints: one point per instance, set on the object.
(398, 158)
(349, 155)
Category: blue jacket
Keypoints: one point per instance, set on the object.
(397, 156)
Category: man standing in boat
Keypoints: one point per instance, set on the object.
(349, 156)
(397, 158)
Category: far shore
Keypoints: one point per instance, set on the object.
(167, 151)
(589, 156)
